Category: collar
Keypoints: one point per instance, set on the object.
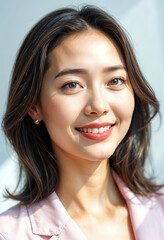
(50, 218)
(146, 214)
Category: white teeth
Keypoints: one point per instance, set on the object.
(101, 130)
(95, 130)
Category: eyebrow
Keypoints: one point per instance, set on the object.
(83, 71)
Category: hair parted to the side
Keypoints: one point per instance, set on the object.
(32, 143)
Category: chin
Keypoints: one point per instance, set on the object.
(99, 156)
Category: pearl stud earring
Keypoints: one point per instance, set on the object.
(36, 121)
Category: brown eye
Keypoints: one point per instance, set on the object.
(116, 82)
(71, 85)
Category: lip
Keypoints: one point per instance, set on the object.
(96, 125)
(97, 136)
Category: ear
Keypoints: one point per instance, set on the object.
(35, 112)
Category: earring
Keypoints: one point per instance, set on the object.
(36, 121)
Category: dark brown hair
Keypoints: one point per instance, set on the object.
(32, 143)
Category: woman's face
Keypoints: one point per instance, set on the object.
(86, 99)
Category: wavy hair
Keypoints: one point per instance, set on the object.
(32, 143)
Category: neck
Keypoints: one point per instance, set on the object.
(87, 186)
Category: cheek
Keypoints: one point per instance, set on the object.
(59, 111)
(125, 106)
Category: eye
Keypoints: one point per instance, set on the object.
(116, 82)
(71, 85)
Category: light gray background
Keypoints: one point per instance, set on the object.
(143, 20)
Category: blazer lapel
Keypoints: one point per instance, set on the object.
(146, 214)
(50, 218)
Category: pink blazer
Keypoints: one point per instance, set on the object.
(48, 219)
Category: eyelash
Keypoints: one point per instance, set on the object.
(66, 84)
(117, 78)
(109, 84)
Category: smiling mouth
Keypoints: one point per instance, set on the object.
(95, 130)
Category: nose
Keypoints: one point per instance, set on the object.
(97, 104)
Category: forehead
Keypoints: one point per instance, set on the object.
(85, 48)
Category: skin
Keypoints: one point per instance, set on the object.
(86, 187)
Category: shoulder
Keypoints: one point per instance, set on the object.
(146, 212)
(159, 197)
(139, 204)
(149, 212)
(154, 201)
(14, 222)
(41, 220)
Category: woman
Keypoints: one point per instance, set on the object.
(78, 116)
